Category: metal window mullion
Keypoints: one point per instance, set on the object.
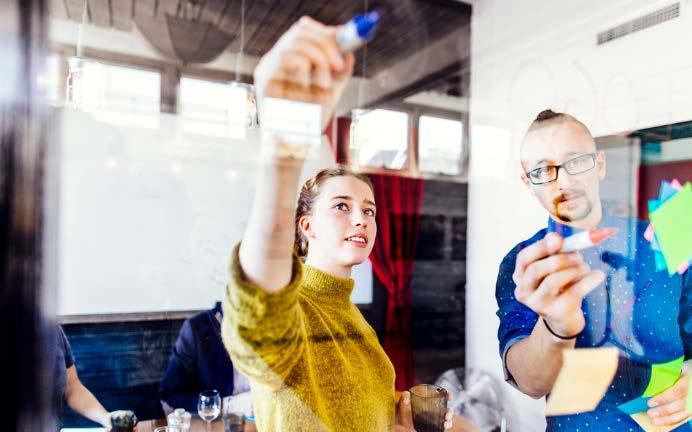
(414, 117)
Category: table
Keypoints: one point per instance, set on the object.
(197, 425)
(460, 425)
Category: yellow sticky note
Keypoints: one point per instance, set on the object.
(644, 421)
(584, 378)
(663, 376)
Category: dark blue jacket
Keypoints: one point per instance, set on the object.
(199, 362)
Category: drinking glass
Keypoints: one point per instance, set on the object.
(428, 407)
(209, 406)
(232, 421)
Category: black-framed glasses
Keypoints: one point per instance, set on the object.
(548, 173)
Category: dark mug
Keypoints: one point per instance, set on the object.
(428, 407)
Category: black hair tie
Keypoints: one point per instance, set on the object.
(557, 335)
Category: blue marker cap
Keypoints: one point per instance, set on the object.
(366, 24)
(358, 31)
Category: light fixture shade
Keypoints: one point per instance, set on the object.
(190, 41)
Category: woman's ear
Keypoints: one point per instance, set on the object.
(305, 227)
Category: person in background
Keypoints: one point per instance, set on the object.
(608, 295)
(68, 389)
(200, 362)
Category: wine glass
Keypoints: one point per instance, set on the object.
(209, 406)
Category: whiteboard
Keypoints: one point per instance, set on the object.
(149, 213)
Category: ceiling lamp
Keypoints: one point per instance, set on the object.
(184, 36)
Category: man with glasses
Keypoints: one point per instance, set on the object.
(608, 295)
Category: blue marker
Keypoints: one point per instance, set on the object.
(358, 31)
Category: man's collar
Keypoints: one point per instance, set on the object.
(217, 308)
(562, 229)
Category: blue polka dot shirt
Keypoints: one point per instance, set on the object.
(646, 314)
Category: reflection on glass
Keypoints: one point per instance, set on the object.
(121, 95)
(439, 145)
(379, 138)
(49, 79)
(216, 108)
(74, 87)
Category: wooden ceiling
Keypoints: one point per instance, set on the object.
(409, 25)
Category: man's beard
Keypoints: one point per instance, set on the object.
(571, 215)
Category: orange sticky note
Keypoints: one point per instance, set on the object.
(584, 378)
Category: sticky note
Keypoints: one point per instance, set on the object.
(649, 233)
(666, 191)
(645, 422)
(673, 226)
(660, 261)
(635, 406)
(654, 205)
(663, 376)
(584, 378)
(654, 244)
(676, 184)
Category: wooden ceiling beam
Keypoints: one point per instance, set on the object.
(122, 12)
(167, 7)
(254, 17)
(75, 9)
(100, 13)
(57, 9)
(145, 8)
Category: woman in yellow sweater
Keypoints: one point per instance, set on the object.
(314, 362)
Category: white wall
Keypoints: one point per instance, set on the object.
(534, 54)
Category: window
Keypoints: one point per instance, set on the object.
(216, 108)
(379, 138)
(382, 138)
(439, 145)
(122, 95)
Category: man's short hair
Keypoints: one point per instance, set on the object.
(547, 114)
(549, 117)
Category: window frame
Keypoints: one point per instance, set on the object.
(172, 73)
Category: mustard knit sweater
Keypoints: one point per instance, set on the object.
(313, 361)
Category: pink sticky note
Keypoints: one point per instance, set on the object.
(649, 233)
(676, 184)
(683, 267)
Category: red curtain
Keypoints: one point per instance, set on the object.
(338, 133)
(398, 201)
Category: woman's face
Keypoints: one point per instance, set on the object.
(341, 228)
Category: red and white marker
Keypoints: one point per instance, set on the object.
(586, 239)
